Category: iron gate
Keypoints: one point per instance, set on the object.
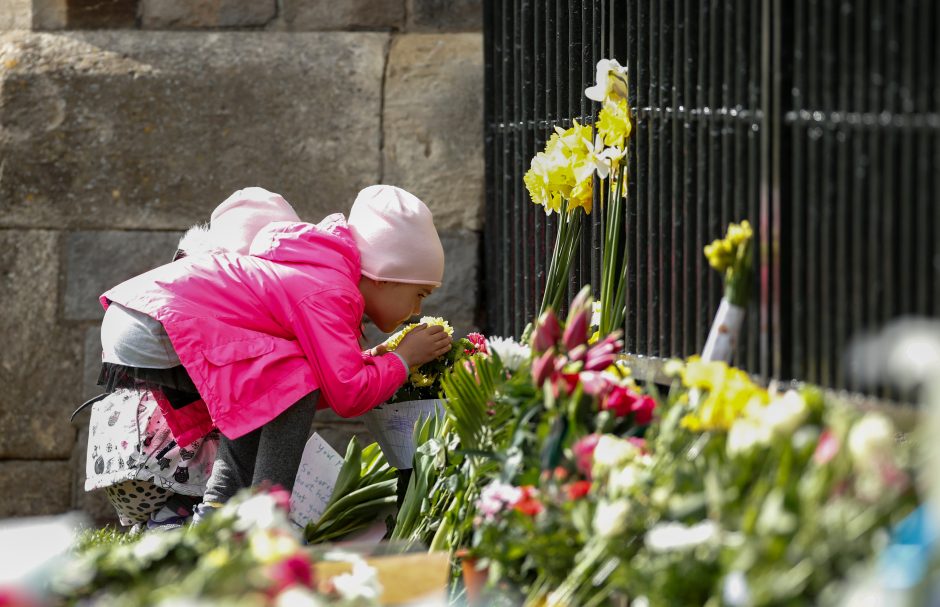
(816, 120)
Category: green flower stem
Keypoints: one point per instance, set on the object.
(613, 282)
(566, 240)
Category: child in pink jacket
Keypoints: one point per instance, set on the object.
(268, 329)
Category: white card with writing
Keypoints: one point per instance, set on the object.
(316, 478)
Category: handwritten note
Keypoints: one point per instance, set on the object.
(316, 478)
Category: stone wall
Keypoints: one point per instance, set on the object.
(123, 122)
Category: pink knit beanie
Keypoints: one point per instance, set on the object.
(236, 221)
(396, 237)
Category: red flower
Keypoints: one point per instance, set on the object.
(623, 401)
(578, 489)
(584, 453)
(620, 401)
(479, 343)
(643, 410)
(295, 570)
(527, 503)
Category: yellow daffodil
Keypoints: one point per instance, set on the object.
(727, 393)
(614, 122)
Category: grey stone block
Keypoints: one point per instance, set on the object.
(151, 130)
(301, 15)
(91, 362)
(164, 14)
(445, 15)
(34, 488)
(433, 124)
(40, 362)
(97, 261)
(93, 503)
(101, 14)
(337, 431)
(16, 14)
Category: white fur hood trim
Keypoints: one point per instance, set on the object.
(196, 240)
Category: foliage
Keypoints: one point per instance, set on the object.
(364, 488)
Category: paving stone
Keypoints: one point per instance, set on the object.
(302, 15)
(445, 15)
(164, 14)
(40, 363)
(97, 261)
(151, 130)
(34, 488)
(434, 124)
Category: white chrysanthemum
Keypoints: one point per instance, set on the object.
(512, 353)
(667, 537)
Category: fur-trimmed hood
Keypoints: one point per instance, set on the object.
(196, 241)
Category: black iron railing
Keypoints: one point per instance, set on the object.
(816, 120)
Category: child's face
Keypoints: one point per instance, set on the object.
(389, 304)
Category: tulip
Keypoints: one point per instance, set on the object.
(576, 332)
(542, 367)
(547, 331)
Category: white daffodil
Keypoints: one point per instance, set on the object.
(610, 518)
(871, 440)
(610, 79)
(601, 158)
(669, 537)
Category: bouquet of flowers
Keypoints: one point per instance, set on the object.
(246, 553)
(393, 423)
(424, 381)
(561, 180)
(732, 257)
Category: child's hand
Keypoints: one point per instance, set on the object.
(423, 344)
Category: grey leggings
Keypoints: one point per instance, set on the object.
(270, 453)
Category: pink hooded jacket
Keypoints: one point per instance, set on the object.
(258, 332)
